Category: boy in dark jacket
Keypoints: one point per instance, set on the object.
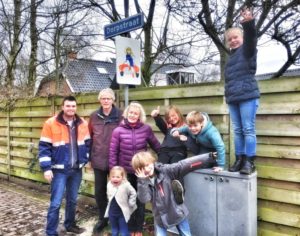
(154, 184)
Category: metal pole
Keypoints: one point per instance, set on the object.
(126, 94)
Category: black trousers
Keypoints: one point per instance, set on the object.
(171, 157)
(135, 224)
(100, 191)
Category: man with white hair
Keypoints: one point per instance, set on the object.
(101, 124)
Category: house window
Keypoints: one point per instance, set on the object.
(102, 70)
(180, 78)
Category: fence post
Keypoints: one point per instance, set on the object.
(118, 99)
(53, 105)
(166, 102)
(231, 142)
(8, 158)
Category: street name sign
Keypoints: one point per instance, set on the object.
(123, 26)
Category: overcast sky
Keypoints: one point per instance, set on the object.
(270, 58)
(271, 55)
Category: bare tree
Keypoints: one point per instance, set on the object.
(34, 38)
(277, 19)
(66, 27)
(286, 30)
(160, 43)
(12, 26)
(27, 25)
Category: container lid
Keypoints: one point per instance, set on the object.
(226, 173)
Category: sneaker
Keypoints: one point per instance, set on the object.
(178, 191)
(75, 229)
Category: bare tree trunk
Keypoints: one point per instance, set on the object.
(15, 45)
(57, 55)
(34, 48)
(146, 69)
(291, 60)
(223, 59)
(148, 60)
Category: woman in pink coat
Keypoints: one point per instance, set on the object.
(130, 137)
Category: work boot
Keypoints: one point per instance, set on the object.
(178, 191)
(75, 229)
(238, 164)
(248, 167)
(101, 224)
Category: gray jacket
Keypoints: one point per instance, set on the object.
(166, 211)
(125, 196)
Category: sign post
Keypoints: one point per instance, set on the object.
(128, 51)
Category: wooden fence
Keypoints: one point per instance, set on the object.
(278, 130)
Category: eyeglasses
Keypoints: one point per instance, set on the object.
(103, 99)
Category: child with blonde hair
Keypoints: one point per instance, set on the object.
(121, 201)
(172, 149)
(242, 92)
(154, 185)
(200, 128)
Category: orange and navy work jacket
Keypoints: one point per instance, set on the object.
(54, 145)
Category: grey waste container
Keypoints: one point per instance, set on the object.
(221, 204)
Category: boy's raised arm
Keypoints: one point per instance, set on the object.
(190, 164)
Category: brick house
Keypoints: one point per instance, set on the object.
(77, 76)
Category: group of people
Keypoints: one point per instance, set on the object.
(127, 174)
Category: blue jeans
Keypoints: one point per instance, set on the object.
(243, 117)
(183, 228)
(118, 225)
(68, 180)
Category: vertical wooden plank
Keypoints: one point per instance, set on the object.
(8, 144)
(167, 101)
